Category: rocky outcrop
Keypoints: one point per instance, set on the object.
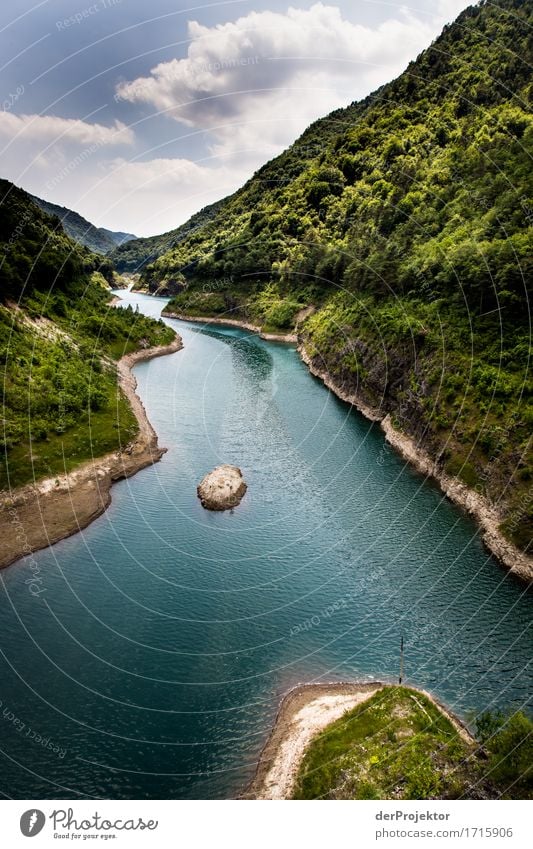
(222, 489)
(411, 447)
(167, 288)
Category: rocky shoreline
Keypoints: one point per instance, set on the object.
(472, 502)
(303, 713)
(234, 322)
(40, 514)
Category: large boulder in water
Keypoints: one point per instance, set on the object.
(222, 488)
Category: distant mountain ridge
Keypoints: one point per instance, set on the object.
(97, 239)
(135, 253)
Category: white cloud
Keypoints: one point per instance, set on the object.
(247, 87)
(150, 197)
(449, 9)
(39, 129)
(256, 83)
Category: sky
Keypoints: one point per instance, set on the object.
(138, 113)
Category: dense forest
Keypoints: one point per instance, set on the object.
(58, 340)
(404, 221)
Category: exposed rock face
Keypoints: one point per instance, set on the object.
(423, 454)
(222, 488)
(168, 287)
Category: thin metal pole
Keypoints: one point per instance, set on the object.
(401, 661)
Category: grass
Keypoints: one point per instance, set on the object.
(59, 400)
(94, 434)
(396, 745)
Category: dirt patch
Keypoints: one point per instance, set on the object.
(303, 713)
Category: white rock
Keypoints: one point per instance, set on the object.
(222, 488)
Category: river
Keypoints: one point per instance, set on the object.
(153, 663)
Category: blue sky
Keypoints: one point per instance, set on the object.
(137, 114)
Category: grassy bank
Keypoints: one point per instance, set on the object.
(61, 401)
(59, 342)
(400, 745)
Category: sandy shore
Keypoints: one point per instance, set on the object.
(233, 322)
(472, 502)
(37, 515)
(304, 713)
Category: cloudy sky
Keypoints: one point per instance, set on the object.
(137, 114)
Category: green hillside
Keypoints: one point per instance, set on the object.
(133, 255)
(58, 340)
(97, 239)
(405, 221)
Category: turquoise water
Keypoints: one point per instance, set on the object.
(154, 660)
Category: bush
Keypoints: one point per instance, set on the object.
(509, 739)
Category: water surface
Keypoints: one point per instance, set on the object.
(156, 657)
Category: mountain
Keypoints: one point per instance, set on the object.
(136, 253)
(404, 223)
(117, 236)
(58, 340)
(97, 239)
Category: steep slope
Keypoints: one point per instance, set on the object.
(118, 237)
(405, 221)
(58, 340)
(135, 254)
(97, 239)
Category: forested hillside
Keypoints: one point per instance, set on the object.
(133, 255)
(97, 239)
(58, 340)
(405, 221)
